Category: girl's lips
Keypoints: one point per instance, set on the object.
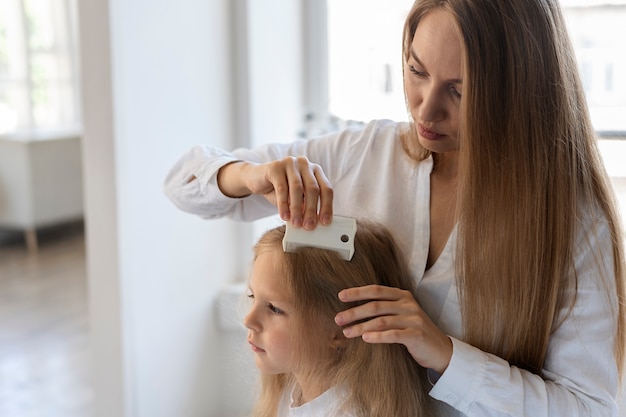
(255, 348)
(428, 134)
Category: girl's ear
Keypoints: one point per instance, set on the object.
(337, 340)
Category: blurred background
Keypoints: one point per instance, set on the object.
(113, 302)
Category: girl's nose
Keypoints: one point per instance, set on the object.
(250, 321)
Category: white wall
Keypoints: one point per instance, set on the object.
(159, 77)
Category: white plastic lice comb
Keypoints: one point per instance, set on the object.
(338, 236)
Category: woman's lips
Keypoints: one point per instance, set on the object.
(428, 134)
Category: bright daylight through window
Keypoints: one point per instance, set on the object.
(38, 67)
(365, 77)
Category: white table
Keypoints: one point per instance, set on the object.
(40, 182)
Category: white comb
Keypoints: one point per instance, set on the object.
(338, 236)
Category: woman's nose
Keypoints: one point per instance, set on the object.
(430, 108)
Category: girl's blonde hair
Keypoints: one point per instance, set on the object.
(530, 173)
(377, 379)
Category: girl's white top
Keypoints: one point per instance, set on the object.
(372, 177)
(330, 403)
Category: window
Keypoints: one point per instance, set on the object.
(364, 58)
(597, 31)
(38, 67)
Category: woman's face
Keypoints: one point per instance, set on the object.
(433, 82)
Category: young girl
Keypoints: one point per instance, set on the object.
(308, 367)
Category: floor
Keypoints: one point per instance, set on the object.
(44, 338)
(44, 346)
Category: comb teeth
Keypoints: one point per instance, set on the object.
(338, 236)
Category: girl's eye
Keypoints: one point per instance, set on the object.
(274, 309)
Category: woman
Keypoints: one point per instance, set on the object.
(495, 189)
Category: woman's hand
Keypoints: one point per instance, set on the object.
(295, 185)
(393, 316)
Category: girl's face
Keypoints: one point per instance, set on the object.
(433, 82)
(272, 321)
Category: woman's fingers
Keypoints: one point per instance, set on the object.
(278, 189)
(392, 315)
(373, 292)
(377, 316)
(325, 196)
(298, 189)
(382, 323)
(305, 194)
(384, 302)
(427, 345)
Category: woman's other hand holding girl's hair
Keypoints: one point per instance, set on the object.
(393, 316)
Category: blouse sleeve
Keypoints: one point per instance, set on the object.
(191, 183)
(580, 376)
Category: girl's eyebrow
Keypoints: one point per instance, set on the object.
(420, 63)
(272, 297)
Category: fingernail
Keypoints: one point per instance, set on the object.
(347, 331)
(297, 222)
(309, 225)
(342, 296)
(339, 319)
(326, 220)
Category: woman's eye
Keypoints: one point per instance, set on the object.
(455, 92)
(415, 71)
(274, 309)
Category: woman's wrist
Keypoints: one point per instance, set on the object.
(230, 180)
(446, 356)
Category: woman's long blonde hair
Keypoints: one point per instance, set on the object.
(530, 173)
(378, 379)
